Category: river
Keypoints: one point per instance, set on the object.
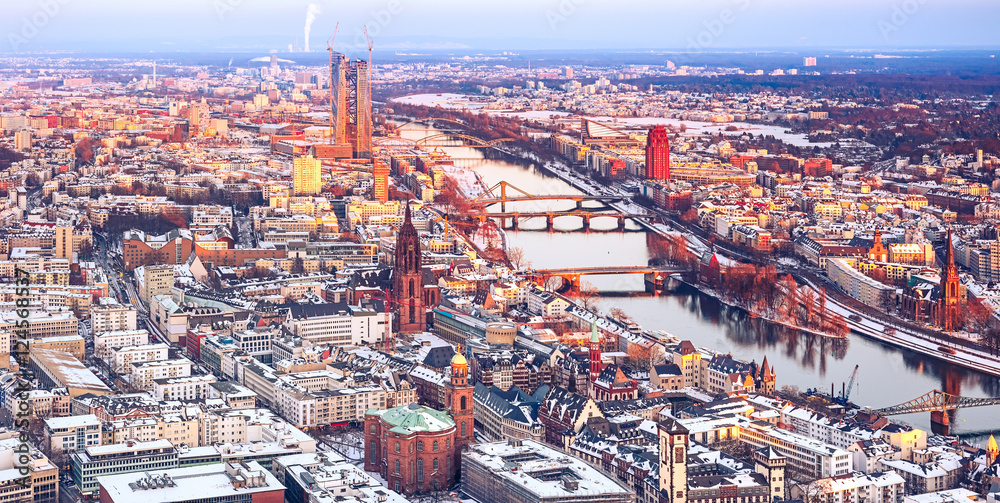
(887, 375)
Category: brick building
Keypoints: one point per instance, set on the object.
(418, 449)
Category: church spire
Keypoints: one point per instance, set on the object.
(595, 353)
(992, 450)
(949, 253)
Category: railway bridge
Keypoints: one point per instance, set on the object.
(940, 404)
(654, 276)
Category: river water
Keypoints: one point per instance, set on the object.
(887, 375)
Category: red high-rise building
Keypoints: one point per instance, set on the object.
(380, 186)
(658, 154)
(408, 282)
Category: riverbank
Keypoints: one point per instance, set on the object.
(964, 357)
(791, 326)
(580, 182)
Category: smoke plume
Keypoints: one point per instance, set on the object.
(311, 12)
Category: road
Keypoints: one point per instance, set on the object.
(122, 283)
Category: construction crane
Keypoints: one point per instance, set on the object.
(850, 384)
(329, 47)
(368, 78)
(845, 394)
(388, 299)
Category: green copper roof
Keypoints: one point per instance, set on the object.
(412, 418)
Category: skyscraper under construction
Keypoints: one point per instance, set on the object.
(351, 105)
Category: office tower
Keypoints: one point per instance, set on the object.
(338, 98)
(658, 154)
(306, 176)
(810, 61)
(380, 172)
(362, 130)
(569, 72)
(352, 105)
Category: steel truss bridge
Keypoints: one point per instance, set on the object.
(940, 405)
(440, 140)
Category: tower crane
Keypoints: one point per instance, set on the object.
(388, 299)
(368, 79)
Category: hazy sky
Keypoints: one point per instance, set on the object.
(211, 25)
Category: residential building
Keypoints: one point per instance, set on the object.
(857, 487)
(112, 317)
(156, 280)
(41, 482)
(144, 373)
(306, 176)
(104, 342)
(66, 435)
(122, 359)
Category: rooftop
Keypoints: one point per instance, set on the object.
(196, 483)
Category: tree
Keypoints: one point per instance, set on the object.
(639, 355)
(32, 180)
(298, 266)
(619, 314)
(517, 258)
(175, 219)
(977, 315)
(84, 150)
(86, 249)
(588, 296)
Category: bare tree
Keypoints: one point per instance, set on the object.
(518, 258)
(589, 296)
(619, 314)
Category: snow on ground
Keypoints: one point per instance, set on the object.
(468, 180)
(976, 359)
(535, 114)
(463, 101)
(699, 127)
(444, 100)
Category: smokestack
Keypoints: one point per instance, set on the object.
(311, 12)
